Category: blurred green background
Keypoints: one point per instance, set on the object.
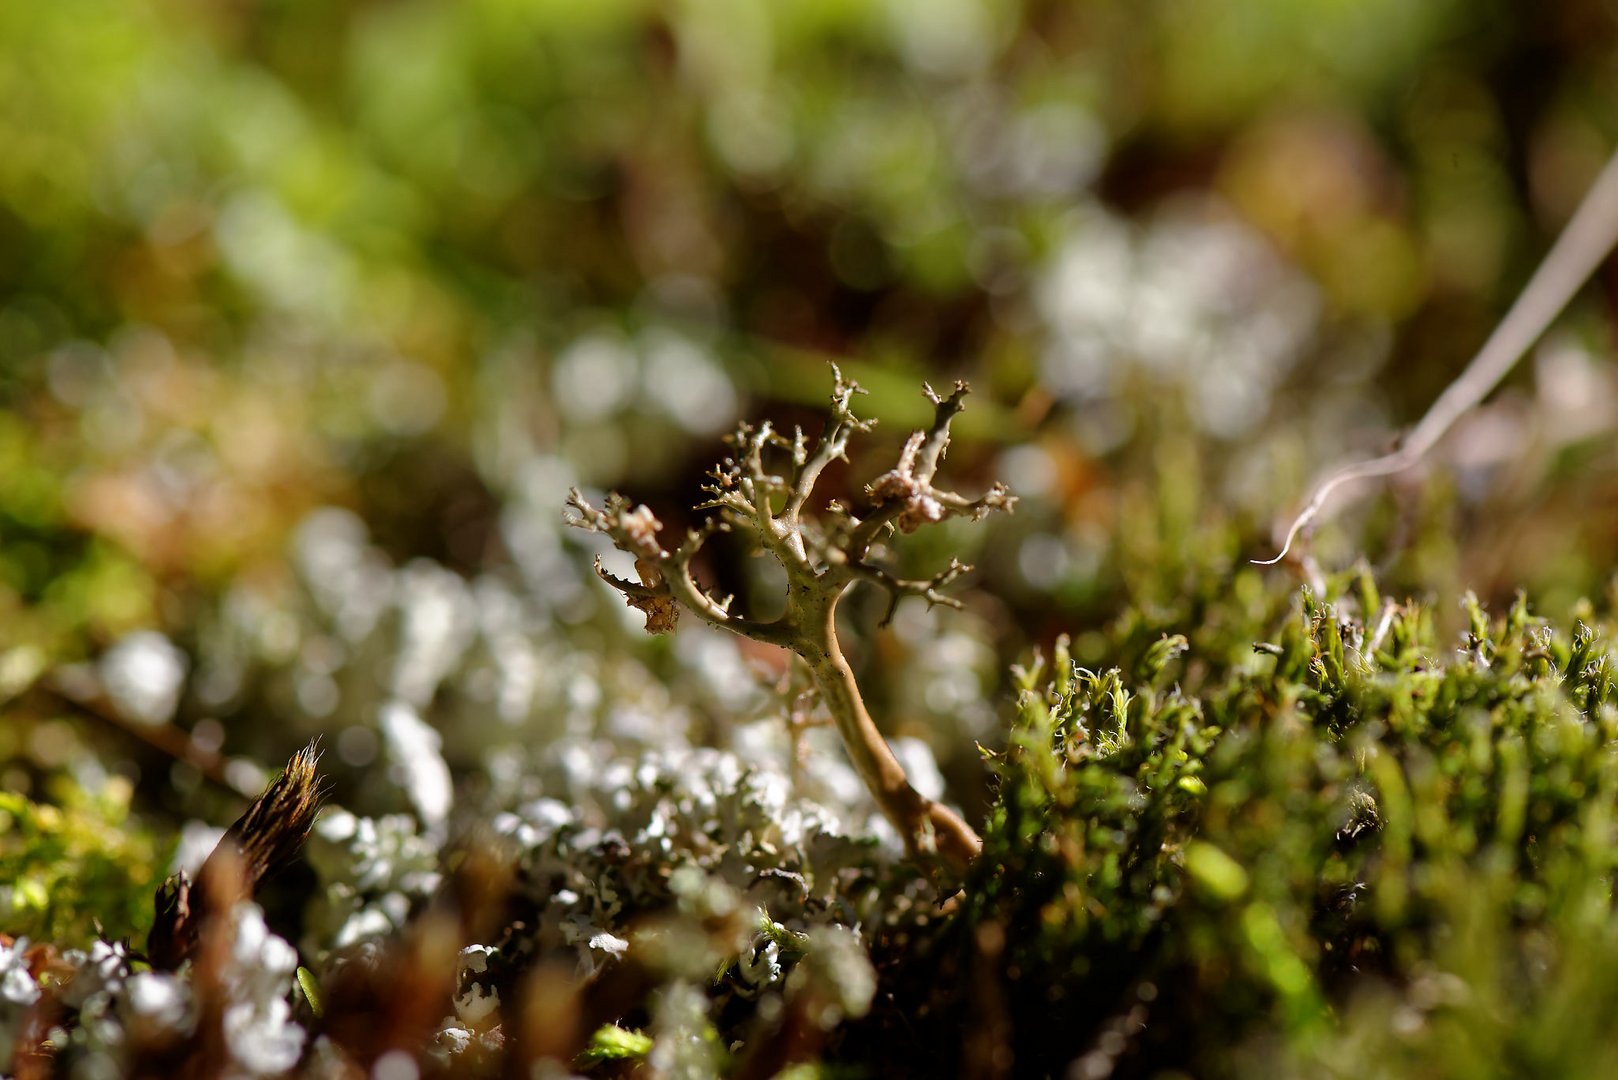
(431, 262)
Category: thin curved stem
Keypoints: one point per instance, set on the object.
(1584, 243)
(928, 828)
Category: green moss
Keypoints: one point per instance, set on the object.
(613, 1043)
(1340, 841)
(77, 870)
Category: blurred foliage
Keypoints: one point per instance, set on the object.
(77, 869)
(613, 1043)
(1307, 842)
(272, 255)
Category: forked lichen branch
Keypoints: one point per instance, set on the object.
(823, 555)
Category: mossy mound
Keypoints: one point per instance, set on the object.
(1344, 847)
(77, 870)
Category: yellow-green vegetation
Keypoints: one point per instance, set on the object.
(76, 868)
(1325, 845)
(612, 1043)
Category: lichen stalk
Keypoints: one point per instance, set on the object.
(822, 561)
(928, 828)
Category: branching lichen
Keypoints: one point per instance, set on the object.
(823, 555)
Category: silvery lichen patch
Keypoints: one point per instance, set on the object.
(122, 1018)
(18, 990)
(627, 842)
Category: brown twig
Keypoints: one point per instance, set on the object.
(167, 739)
(261, 842)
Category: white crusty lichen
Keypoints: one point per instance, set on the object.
(416, 764)
(476, 1002)
(125, 1019)
(823, 555)
(372, 873)
(685, 1045)
(259, 1031)
(18, 992)
(634, 834)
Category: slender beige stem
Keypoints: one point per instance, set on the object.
(918, 819)
(1581, 247)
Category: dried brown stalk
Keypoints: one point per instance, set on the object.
(262, 841)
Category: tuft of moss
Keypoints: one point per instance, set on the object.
(613, 1043)
(77, 870)
(1345, 845)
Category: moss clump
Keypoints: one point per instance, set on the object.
(77, 870)
(1348, 845)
